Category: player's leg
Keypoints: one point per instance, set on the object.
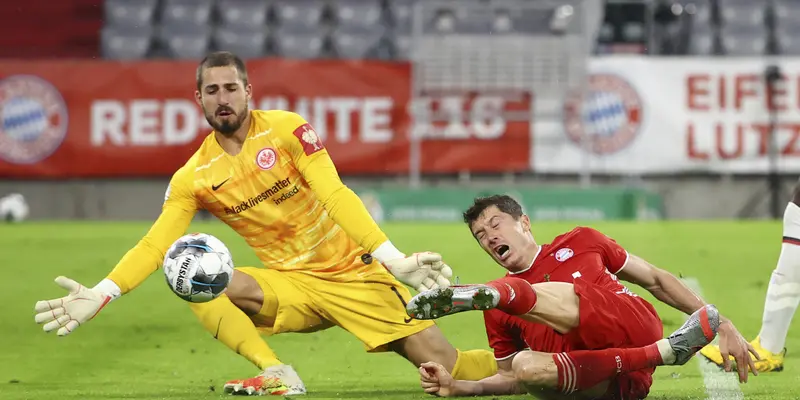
(373, 309)
(233, 319)
(585, 374)
(782, 299)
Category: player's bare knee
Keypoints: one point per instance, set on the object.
(535, 370)
(245, 293)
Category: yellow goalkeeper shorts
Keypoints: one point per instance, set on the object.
(372, 308)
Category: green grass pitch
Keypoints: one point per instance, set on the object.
(147, 345)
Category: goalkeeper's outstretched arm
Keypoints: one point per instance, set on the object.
(421, 271)
(81, 304)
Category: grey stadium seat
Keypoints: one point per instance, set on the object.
(740, 41)
(788, 39)
(786, 13)
(299, 16)
(183, 42)
(701, 41)
(186, 12)
(125, 43)
(244, 42)
(400, 13)
(243, 13)
(349, 45)
(742, 13)
(306, 45)
(130, 13)
(358, 15)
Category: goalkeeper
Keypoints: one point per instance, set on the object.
(267, 175)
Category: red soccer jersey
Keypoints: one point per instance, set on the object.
(582, 252)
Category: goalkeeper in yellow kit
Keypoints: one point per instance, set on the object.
(268, 176)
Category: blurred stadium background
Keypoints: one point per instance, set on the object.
(585, 109)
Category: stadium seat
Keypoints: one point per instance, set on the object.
(786, 14)
(634, 32)
(244, 14)
(246, 42)
(130, 13)
(401, 47)
(125, 42)
(186, 12)
(702, 41)
(306, 45)
(184, 42)
(787, 37)
(360, 45)
(400, 14)
(744, 41)
(742, 13)
(358, 15)
(300, 16)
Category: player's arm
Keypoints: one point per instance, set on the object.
(82, 304)
(348, 211)
(670, 290)
(501, 384)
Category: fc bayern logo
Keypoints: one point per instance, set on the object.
(607, 115)
(564, 254)
(33, 119)
(266, 158)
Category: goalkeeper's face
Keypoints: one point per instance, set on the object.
(224, 97)
(507, 239)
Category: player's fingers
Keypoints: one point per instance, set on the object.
(429, 283)
(48, 316)
(68, 284)
(753, 351)
(442, 281)
(446, 271)
(57, 323)
(432, 389)
(68, 328)
(47, 305)
(726, 361)
(741, 367)
(428, 258)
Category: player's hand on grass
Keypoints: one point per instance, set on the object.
(435, 379)
(732, 343)
(69, 312)
(422, 271)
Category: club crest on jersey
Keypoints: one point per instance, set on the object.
(309, 139)
(266, 158)
(33, 119)
(564, 254)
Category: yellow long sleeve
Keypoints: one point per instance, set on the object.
(147, 256)
(341, 203)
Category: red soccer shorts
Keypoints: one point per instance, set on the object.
(616, 320)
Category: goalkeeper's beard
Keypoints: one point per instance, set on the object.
(224, 124)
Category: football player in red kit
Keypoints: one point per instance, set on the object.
(560, 322)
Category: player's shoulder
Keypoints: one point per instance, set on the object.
(579, 234)
(280, 121)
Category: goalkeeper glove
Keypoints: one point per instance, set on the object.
(422, 271)
(81, 304)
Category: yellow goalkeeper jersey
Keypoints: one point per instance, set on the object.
(281, 193)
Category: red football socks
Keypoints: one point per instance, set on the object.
(517, 297)
(584, 369)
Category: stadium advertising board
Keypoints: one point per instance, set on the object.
(64, 119)
(665, 115)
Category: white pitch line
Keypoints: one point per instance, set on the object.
(720, 385)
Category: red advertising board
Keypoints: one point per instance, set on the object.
(116, 119)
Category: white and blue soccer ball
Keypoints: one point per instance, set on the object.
(198, 267)
(13, 208)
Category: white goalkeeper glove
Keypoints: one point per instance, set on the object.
(69, 312)
(422, 271)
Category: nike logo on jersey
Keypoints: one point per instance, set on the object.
(215, 187)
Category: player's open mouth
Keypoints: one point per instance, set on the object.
(502, 251)
(224, 113)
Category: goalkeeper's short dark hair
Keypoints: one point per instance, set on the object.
(221, 59)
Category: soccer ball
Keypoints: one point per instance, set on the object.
(198, 267)
(13, 208)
